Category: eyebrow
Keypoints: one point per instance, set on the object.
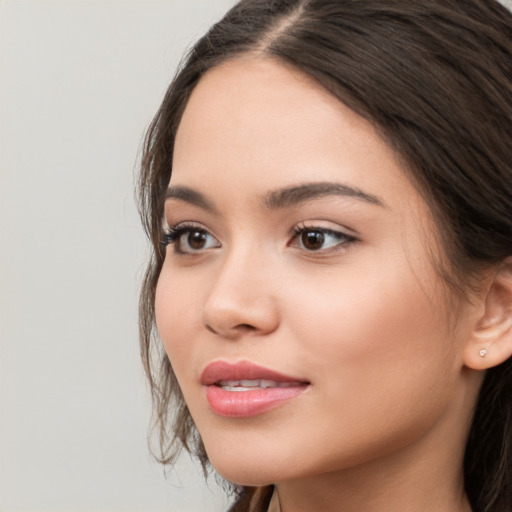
(189, 195)
(301, 193)
(282, 198)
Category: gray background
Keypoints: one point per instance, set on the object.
(80, 81)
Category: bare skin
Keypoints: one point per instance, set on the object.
(334, 286)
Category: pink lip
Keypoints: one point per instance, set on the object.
(243, 404)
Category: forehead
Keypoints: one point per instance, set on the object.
(260, 124)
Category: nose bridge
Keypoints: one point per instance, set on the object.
(241, 297)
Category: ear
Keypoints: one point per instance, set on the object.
(490, 343)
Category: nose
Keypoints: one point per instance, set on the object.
(242, 299)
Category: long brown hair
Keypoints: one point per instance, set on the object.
(435, 78)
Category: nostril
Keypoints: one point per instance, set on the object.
(235, 330)
(246, 327)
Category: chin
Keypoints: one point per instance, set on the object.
(248, 479)
(251, 466)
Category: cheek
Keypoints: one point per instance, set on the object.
(375, 330)
(176, 305)
(366, 334)
(375, 347)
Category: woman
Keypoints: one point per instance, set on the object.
(328, 191)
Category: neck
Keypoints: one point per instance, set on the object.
(385, 493)
(422, 477)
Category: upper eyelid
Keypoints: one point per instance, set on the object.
(304, 225)
(180, 199)
(166, 225)
(334, 231)
(334, 227)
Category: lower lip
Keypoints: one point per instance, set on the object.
(244, 404)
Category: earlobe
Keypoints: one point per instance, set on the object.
(490, 343)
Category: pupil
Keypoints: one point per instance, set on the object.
(196, 239)
(313, 239)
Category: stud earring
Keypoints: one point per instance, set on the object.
(482, 352)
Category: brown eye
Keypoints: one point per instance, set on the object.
(188, 239)
(320, 240)
(312, 240)
(196, 240)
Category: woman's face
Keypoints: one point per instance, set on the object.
(300, 254)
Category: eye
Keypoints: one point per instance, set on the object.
(319, 239)
(189, 239)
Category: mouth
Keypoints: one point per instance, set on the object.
(244, 389)
(249, 385)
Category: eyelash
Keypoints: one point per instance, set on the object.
(344, 240)
(173, 234)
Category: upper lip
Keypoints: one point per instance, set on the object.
(217, 371)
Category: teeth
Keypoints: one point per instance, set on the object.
(236, 388)
(247, 385)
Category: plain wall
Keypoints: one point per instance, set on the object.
(80, 81)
